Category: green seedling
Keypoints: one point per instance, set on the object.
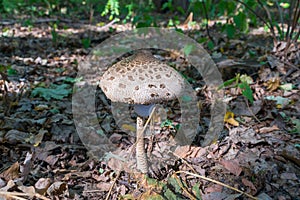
(243, 82)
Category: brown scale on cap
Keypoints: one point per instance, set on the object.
(141, 79)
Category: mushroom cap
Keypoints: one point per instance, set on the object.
(141, 79)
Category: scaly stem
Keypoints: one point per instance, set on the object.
(141, 159)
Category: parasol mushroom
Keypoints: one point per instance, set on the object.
(141, 80)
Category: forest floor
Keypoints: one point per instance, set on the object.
(42, 156)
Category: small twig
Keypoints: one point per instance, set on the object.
(112, 185)
(290, 65)
(281, 16)
(147, 122)
(295, 22)
(206, 24)
(217, 182)
(184, 161)
(149, 119)
(269, 18)
(183, 188)
(270, 26)
(247, 103)
(17, 195)
(295, 16)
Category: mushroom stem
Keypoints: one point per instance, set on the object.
(141, 159)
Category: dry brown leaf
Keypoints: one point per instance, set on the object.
(214, 188)
(268, 129)
(103, 186)
(229, 118)
(249, 184)
(188, 19)
(42, 185)
(39, 137)
(8, 186)
(57, 188)
(232, 166)
(12, 172)
(197, 152)
(51, 159)
(182, 151)
(289, 176)
(30, 191)
(272, 84)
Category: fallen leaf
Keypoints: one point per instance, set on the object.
(182, 151)
(8, 186)
(272, 84)
(42, 185)
(12, 172)
(128, 127)
(57, 188)
(229, 118)
(232, 166)
(289, 176)
(214, 188)
(29, 190)
(15, 136)
(249, 184)
(268, 129)
(39, 137)
(103, 186)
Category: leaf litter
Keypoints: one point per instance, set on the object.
(42, 156)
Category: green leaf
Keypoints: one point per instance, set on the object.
(170, 195)
(196, 190)
(73, 80)
(210, 45)
(240, 21)
(285, 5)
(287, 87)
(167, 122)
(175, 184)
(10, 5)
(101, 170)
(11, 72)
(230, 31)
(188, 49)
(227, 83)
(154, 197)
(247, 79)
(279, 100)
(246, 91)
(54, 92)
(86, 42)
(4, 68)
(100, 132)
(186, 98)
(296, 129)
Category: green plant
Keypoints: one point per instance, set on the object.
(112, 8)
(169, 124)
(86, 42)
(7, 71)
(53, 92)
(143, 17)
(243, 82)
(54, 34)
(10, 6)
(275, 15)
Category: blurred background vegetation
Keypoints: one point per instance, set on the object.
(233, 16)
